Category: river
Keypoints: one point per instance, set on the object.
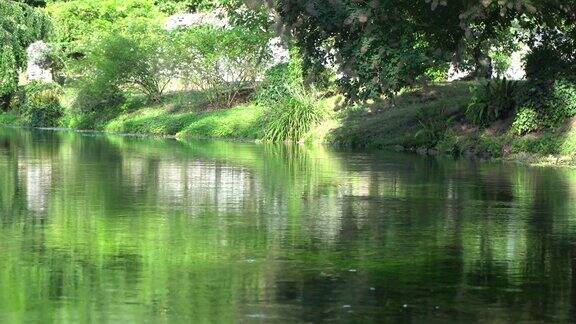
(97, 228)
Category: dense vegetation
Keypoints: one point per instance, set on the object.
(20, 25)
(351, 63)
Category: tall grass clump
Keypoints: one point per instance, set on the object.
(291, 118)
(293, 110)
(491, 101)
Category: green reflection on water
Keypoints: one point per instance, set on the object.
(116, 229)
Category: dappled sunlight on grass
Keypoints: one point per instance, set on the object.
(379, 125)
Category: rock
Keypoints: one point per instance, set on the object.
(38, 68)
(399, 148)
(212, 18)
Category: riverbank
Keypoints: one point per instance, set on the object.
(415, 121)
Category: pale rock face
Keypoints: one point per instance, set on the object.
(212, 18)
(38, 68)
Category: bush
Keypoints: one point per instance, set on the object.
(292, 109)
(97, 96)
(543, 63)
(293, 116)
(433, 124)
(561, 104)
(449, 143)
(550, 61)
(222, 62)
(553, 101)
(526, 121)
(39, 104)
(275, 86)
(491, 101)
(138, 58)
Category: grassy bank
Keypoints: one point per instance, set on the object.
(415, 121)
(433, 121)
(242, 122)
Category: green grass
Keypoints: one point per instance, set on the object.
(239, 122)
(9, 119)
(152, 121)
(561, 141)
(243, 122)
(380, 125)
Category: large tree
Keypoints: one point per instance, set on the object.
(20, 25)
(381, 46)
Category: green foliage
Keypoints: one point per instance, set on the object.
(279, 80)
(526, 121)
(491, 101)
(97, 96)
(546, 63)
(77, 22)
(39, 104)
(225, 62)
(561, 103)
(138, 58)
(293, 117)
(292, 109)
(438, 73)
(449, 143)
(20, 25)
(171, 7)
(433, 125)
(553, 101)
(8, 119)
(380, 47)
(501, 62)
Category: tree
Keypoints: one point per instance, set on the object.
(77, 22)
(20, 25)
(378, 46)
(382, 46)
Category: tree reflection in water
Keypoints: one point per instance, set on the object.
(101, 228)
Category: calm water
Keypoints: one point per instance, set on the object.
(114, 229)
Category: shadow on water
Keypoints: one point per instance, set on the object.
(98, 228)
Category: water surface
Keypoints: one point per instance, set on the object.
(115, 229)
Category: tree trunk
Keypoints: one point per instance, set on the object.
(483, 62)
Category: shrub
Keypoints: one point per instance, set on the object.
(491, 101)
(222, 62)
(550, 61)
(293, 116)
(97, 95)
(39, 104)
(137, 58)
(561, 103)
(292, 109)
(526, 121)
(501, 61)
(433, 124)
(450, 144)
